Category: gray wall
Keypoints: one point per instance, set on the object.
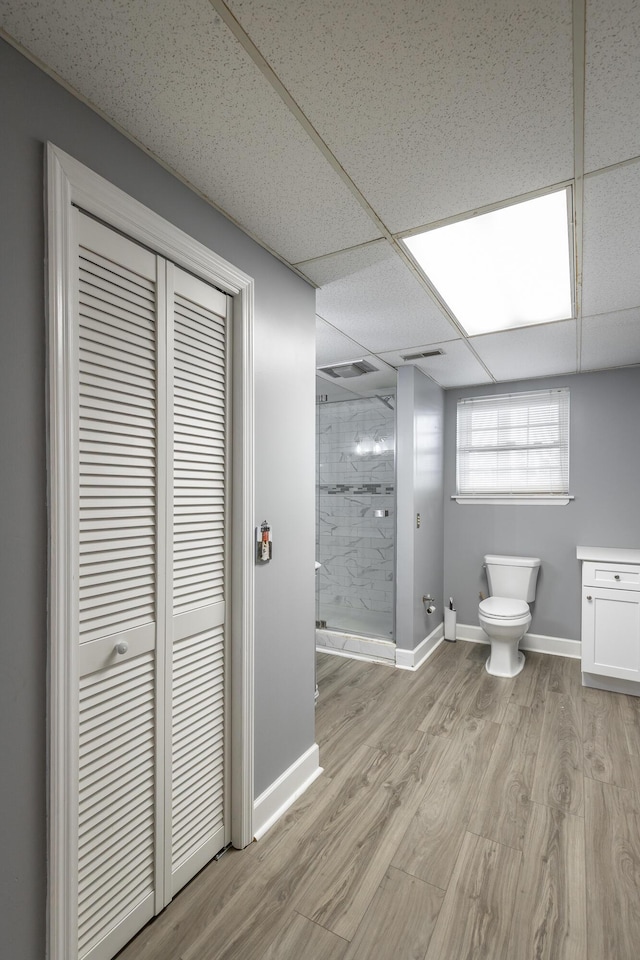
(420, 404)
(35, 109)
(604, 458)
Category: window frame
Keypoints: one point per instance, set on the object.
(516, 497)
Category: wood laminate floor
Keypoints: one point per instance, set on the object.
(459, 817)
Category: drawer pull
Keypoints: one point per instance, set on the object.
(616, 576)
(589, 598)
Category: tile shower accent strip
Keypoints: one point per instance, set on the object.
(360, 489)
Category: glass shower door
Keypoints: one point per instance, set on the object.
(356, 516)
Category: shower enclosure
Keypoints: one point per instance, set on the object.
(355, 532)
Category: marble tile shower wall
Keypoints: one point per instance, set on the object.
(356, 476)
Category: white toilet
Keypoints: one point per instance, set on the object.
(505, 615)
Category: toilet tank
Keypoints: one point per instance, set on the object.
(513, 577)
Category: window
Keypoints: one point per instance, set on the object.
(514, 448)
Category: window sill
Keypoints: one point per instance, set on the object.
(559, 500)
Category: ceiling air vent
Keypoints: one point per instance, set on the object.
(348, 370)
(421, 356)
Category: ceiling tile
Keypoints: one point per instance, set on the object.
(377, 300)
(456, 367)
(611, 241)
(540, 351)
(611, 340)
(612, 82)
(333, 347)
(175, 78)
(432, 108)
(342, 264)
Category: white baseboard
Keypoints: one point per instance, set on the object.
(614, 684)
(536, 642)
(277, 798)
(413, 659)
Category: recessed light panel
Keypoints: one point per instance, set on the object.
(504, 269)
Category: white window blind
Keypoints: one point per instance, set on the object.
(514, 445)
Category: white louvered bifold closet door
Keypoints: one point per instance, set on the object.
(151, 561)
(199, 456)
(117, 478)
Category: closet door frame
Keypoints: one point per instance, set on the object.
(70, 184)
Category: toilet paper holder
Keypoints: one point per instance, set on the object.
(429, 603)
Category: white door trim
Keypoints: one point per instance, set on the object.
(69, 183)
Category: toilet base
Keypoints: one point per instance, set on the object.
(505, 661)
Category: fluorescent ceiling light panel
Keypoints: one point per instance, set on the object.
(508, 268)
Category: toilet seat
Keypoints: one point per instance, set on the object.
(503, 608)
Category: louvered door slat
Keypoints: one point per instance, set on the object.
(196, 553)
(97, 442)
(197, 377)
(107, 518)
(130, 330)
(197, 783)
(117, 543)
(104, 805)
(115, 316)
(212, 402)
(127, 772)
(190, 507)
(198, 471)
(100, 587)
(208, 736)
(199, 477)
(191, 303)
(116, 902)
(105, 290)
(115, 841)
(192, 581)
(130, 351)
(198, 408)
(99, 584)
(102, 269)
(113, 459)
(121, 343)
(114, 390)
(203, 689)
(201, 428)
(119, 702)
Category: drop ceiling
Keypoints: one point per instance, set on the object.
(329, 130)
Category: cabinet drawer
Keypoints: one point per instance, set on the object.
(623, 575)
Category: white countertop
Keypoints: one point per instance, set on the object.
(608, 554)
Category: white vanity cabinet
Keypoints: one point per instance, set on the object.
(611, 618)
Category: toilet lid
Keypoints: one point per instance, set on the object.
(504, 607)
